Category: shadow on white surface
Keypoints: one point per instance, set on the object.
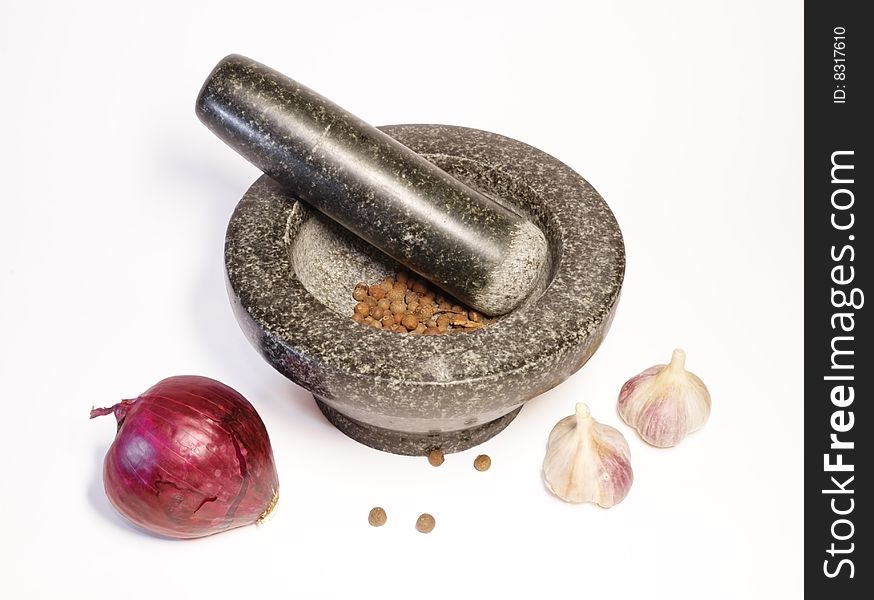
(238, 361)
(212, 172)
(211, 315)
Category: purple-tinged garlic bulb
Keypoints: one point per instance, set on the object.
(665, 402)
(587, 461)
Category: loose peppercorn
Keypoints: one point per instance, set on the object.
(425, 523)
(377, 516)
(435, 457)
(482, 462)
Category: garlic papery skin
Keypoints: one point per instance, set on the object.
(665, 402)
(587, 461)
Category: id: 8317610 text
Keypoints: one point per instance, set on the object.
(839, 95)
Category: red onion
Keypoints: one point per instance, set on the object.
(191, 457)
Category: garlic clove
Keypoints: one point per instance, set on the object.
(665, 402)
(587, 461)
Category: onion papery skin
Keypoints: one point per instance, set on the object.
(191, 458)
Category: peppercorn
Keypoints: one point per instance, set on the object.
(425, 523)
(395, 295)
(419, 287)
(360, 292)
(377, 292)
(402, 277)
(482, 462)
(435, 457)
(410, 322)
(398, 307)
(377, 516)
(376, 312)
(362, 309)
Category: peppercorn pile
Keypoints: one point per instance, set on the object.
(403, 304)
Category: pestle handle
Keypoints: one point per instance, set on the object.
(477, 250)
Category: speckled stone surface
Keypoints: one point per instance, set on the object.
(291, 272)
(482, 253)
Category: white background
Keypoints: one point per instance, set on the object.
(685, 115)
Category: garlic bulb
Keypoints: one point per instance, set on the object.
(587, 461)
(665, 402)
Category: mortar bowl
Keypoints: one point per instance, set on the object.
(291, 271)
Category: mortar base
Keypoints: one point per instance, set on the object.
(414, 444)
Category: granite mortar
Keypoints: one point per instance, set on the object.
(290, 272)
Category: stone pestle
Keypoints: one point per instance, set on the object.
(484, 254)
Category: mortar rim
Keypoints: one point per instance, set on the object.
(568, 208)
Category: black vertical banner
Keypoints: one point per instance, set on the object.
(839, 370)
